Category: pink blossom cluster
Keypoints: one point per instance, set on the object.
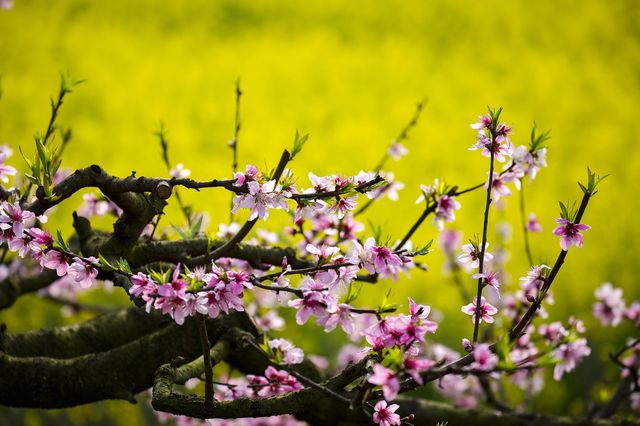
(570, 233)
(284, 420)
(568, 355)
(463, 390)
(337, 205)
(6, 170)
(19, 232)
(445, 205)
(317, 300)
(377, 259)
(492, 136)
(401, 330)
(471, 253)
(610, 307)
(274, 382)
(263, 194)
(94, 206)
(405, 332)
(483, 358)
(527, 161)
(286, 351)
(207, 293)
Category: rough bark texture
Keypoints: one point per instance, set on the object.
(87, 373)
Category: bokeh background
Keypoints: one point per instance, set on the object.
(350, 74)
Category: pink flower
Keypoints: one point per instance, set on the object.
(93, 206)
(386, 378)
(339, 314)
(444, 212)
(390, 189)
(260, 199)
(386, 416)
(321, 253)
(472, 255)
(83, 273)
(14, 218)
(385, 261)
(501, 144)
(280, 382)
(53, 259)
(322, 184)
(251, 173)
(290, 354)
(343, 205)
(489, 278)
(534, 279)
(532, 223)
(466, 345)
(484, 122)
(484, 359)
(414, 366)
(499, 187)
(449, 240)
(633, 312)
(569, 233)
(6, 171)
(486, 311)
(41, 237)
(552, 332)
(568, 355)
(179, 172)
(609, 308)
(397, 150)
(314, 300)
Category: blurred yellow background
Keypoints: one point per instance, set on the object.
(350, 73)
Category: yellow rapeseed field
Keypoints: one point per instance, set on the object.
(350, 74)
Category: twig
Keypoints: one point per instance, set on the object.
(208, 372)
(525, 230)
(234, 142)
(246, 228)
(483, 244)
(526, 319)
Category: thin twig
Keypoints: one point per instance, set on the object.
(234, 142)
(483, 244)
(525, 230)
(208, 372)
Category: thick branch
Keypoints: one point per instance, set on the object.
(95, 177)
(179, 251)
(98, 334)
(118, 373)
(429, 413)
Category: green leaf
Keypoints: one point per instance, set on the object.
(503, 350)
(298, 144)
(593, 180)
(538, 139)
(376, 230)
(105, 263)
(180, 232)
(353, 292)
(195, 226)
(29, 163)
(123, 265)
(424, 250)
(61, 243)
